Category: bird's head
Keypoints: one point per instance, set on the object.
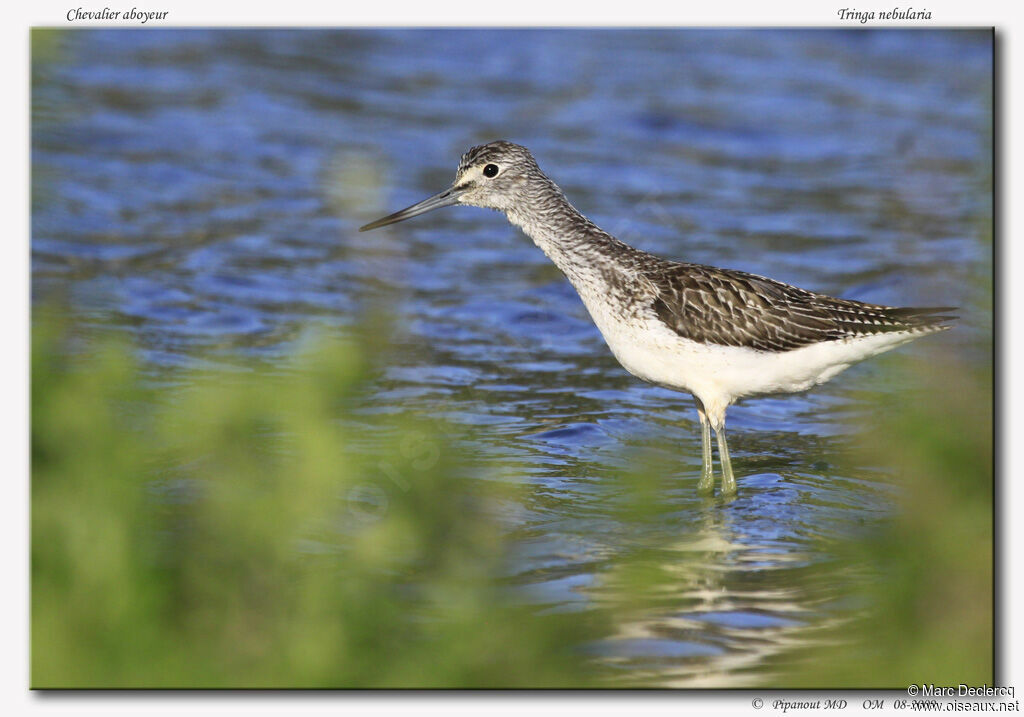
(498, 175)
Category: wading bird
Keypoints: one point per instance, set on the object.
(718, 334)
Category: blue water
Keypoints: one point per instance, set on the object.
(201, 190)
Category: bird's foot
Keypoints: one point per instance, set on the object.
(729, 488)
(706, 486)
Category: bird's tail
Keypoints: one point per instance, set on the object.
(935, 318)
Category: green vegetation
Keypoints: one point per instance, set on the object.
(227, 535)
(929, 592)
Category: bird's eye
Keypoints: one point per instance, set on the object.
(490, 170)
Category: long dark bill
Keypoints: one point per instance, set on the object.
(445, 199)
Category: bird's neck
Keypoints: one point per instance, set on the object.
(574, 243)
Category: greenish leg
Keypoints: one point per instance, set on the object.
(728, 479)
(707, 478)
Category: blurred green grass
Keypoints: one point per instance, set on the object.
(921, 583)
(229, 535)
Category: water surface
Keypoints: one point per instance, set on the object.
(201, 189)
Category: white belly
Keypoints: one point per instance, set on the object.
(719, 375)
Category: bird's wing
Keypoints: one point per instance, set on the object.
(733, 308)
